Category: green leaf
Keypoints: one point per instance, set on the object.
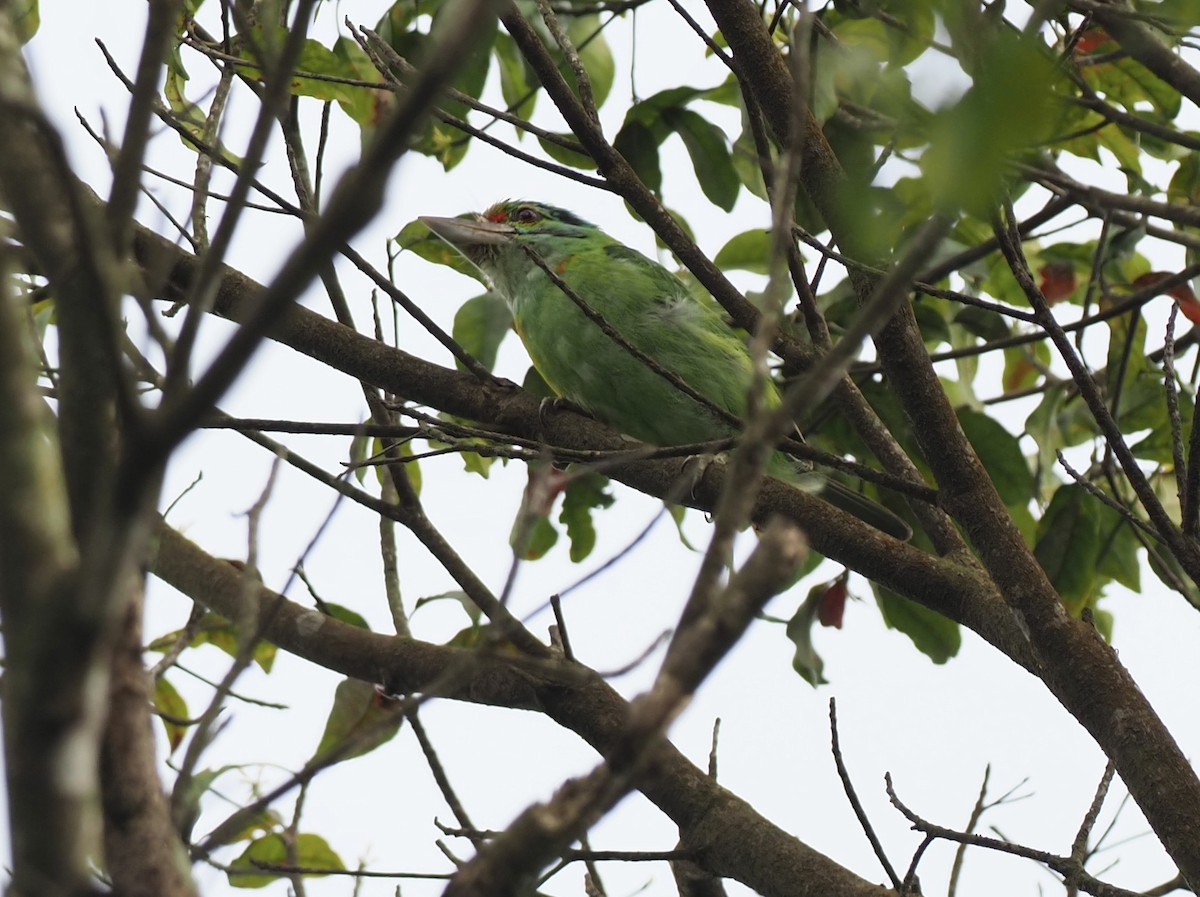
(708, 148)
(360, 720)
(938, 638)
(26, 19)
(517, 84)
(191, 117)
(473, 462)
(472, 609)
(535, 385)
(678, 514)
(539, 539)
(1119, 549)
(983, 322)
(1121, 145)
(930, 319)
(1010, 108)
(364, 105)
(417, 238)
(584, 32)
(480, 325)
(1126, 82)
(748, 251)
(360, 443)
(1056, 423)
(823, 95)
(396, 22)
(863, 34)
(1000, 452)
(805, 660)
(569, 157)
(441, 141)
(345, 615)
(198, 786)
(583, 494)
(1068, 545)
(213, 629)
(532, 533)
(650, 110)
(1185, 183)
(309, 852)
(317, 59)
(1180, 14)
(1020, 370)
(638, 143)
(913, 38)
(1143, 404)
(1158, 445)
(168, 701)
(1127, 353)
(403, 449)
(744, 157)
(1171, 574)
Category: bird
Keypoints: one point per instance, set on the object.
(644, 307)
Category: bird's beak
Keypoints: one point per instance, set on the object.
(470, 232)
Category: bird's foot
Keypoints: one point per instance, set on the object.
(553, 404)
(695, 466)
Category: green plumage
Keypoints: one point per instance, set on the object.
(649, 307)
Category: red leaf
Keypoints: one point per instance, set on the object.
(1091, 40)
(1058, 281)
(1016, 374)
(543, 487)
(1181, 293)
(833, 604)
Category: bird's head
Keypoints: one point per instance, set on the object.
(484, 238)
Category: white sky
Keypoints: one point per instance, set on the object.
(934, 728)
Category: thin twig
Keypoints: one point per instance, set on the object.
(976, 812)
(1010, 245)
(1190, 518)
(855, 804)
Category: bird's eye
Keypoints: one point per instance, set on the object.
(526, 215)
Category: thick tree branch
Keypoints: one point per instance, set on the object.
(1075, 664)
(940, 584)
(624, 180)
(61, 605)
(729, 838)
(53, 819)
(142, 850)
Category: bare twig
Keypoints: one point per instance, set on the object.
(856, 804)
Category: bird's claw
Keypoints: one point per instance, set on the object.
(695, 466)
(556, 403)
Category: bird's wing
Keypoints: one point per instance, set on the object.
(681, 330)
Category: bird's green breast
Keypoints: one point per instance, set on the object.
(653, 311)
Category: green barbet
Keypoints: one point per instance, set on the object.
(651, 309)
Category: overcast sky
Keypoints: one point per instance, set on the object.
(935, 728)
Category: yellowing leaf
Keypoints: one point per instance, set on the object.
(269, 851)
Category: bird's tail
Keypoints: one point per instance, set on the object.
(840, 496)
(864, 509)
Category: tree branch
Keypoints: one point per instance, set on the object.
(942, 585)
(727, 836)
(1075, 664)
